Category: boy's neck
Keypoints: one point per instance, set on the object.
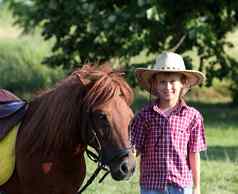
(167, 104)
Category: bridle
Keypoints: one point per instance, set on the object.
(102, 163)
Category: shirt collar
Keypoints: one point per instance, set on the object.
(181, 108)
(178, 109)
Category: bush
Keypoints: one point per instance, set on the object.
(20, 66)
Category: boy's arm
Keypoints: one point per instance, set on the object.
(194, 161)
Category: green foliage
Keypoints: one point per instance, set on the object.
(5, 15)
(234, 83)
(100, 30)
(20, 66)
(130, 72)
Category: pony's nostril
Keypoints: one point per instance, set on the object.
(124, 168)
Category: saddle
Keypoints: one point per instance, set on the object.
(12, 110)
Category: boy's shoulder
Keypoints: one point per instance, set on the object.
(194, 111)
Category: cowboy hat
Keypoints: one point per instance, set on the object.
(168, 62)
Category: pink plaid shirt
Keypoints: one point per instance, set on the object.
(164, 142)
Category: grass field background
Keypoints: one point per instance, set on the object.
(219, 167)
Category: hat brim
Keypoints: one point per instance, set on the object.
(144, 76)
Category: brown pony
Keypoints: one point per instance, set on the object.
(89, 107)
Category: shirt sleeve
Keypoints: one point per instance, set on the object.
(138, 131)
(197, 141)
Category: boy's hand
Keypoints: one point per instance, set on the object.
(196, 190)
(135, 152)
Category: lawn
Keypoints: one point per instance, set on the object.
(219, 166)
(220, 163)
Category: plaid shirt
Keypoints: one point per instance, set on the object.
(164, 143)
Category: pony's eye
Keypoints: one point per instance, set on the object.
(102, 116)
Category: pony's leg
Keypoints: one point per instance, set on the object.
(12, 186)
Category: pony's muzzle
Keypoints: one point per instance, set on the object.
(123, 171)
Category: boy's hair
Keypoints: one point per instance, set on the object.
(183, 76)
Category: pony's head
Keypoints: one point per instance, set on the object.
(106, 115)
(89, 107)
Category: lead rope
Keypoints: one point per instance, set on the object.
(95, 158)
(89, 180)
(92, 156)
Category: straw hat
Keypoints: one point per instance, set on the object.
(168, 62)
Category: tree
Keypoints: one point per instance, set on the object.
(99, 30)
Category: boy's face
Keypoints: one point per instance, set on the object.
(168, 86)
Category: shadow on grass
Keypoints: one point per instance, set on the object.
(218, 115)
(221, 153)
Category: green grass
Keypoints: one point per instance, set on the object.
(220, 163)
(109, 186)
(219, 177)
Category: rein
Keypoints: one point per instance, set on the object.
(101, 165)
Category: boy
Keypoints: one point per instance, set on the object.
(167, 133)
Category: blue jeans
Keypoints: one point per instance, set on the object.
(171, 189)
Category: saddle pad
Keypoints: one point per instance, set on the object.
(9, 108)
(7, 155)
